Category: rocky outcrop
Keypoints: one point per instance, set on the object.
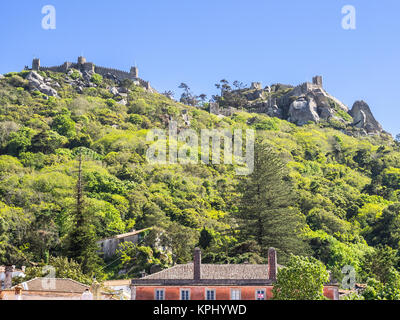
(123, 102)
(37, 82)
(303, 110)
(363, 118)
(113, 91)
(307, 102)
(274, 111)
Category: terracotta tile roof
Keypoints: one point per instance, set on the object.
(60, 285)
(213, 271)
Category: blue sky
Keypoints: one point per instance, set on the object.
(202, 42)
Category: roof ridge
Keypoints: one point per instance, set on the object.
(38, 278)
(126, 233)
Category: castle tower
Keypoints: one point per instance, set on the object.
(134, 72)
(317, 80)
(256, 86)
(81, 60)
(36, 64)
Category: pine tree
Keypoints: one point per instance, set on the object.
(81, 244)
(266, 213)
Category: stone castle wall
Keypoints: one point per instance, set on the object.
(121, 75)
(88, 66)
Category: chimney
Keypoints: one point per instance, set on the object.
(18, 292)
(272, 267)
(8, 276)
(197, 264)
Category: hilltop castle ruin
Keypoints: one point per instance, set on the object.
(84, 66)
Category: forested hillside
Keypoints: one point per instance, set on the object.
(345, 189)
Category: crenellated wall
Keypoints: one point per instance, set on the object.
(121, 75)
(82, 65)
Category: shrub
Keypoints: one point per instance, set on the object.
(135, 119)
(97, 79)
(75, 75)
(18, 81)
(64, 125)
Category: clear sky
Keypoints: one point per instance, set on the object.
(201, 42)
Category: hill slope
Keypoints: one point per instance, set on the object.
(344, 183)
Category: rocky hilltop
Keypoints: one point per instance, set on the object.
(307, 102)
(304, 103)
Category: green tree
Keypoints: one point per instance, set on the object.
(182, 241)
(135, 258)
(64, 268)
(303, 278)
(205, 238)
(266, 212)
(386, 230)
(390, 290)
(20, 141)
(64, 125)
(379, 262)
(9, 254)
(81, 242)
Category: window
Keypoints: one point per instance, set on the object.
(185, 294)
(210, 294)
(160, 294)
(260, 294)
(235, 294)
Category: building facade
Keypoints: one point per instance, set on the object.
(197, 281)
(108, 246)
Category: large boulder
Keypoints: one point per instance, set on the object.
(37, 82)
(35, 79)
(44, 88)
(303, 110)
(123, 102)
(274, 111)
(113, 91)
(363, 118)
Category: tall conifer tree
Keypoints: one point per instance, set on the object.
(266, 210)
(81, 245)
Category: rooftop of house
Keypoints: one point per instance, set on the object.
(198, 273)
(59, 285)
(117, 283)
(125, 235)
(213, 272)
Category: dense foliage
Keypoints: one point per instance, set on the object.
(302, 279)
(342, 192)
